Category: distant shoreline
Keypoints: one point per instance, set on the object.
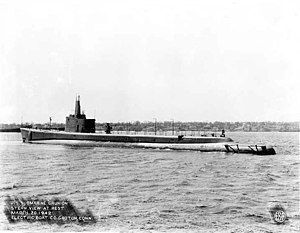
(176, 126)
(12, 130)
(17, 130)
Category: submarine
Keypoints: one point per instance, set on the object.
(79, 128)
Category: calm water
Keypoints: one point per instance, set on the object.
(157, 190)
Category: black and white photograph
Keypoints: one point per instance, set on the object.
(150, 116)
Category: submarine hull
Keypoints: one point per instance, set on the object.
(203, 144)
(37, 135)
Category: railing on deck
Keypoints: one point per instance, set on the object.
(166, 133)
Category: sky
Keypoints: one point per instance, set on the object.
(139, 60)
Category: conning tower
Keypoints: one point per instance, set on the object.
(78, 121)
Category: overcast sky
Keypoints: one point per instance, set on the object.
(139, 60)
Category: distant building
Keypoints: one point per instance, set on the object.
(78, 121)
